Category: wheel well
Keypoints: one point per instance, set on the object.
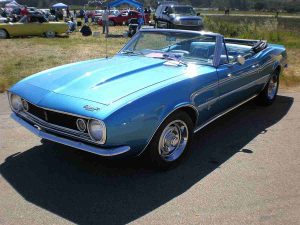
(278, 69)
(5, 31)
(193, 114)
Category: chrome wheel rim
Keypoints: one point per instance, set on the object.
(272, 88)
(50, 34)
(173, 140)
(2, 34)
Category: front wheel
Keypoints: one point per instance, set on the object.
(3, 34)
(269, 93)
(171, 141)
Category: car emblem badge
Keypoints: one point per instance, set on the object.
(38, 127)
(91, 108)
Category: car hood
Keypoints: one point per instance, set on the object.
(105, 80)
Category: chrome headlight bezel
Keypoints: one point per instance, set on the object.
(15, 102)
(91, 132)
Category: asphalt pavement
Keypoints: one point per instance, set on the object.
(243, 169)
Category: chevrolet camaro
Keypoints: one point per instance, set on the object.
(151, 97)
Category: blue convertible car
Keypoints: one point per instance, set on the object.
(162, 87)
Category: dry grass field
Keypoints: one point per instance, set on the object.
(21, 57)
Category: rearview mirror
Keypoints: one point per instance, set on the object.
(240, 59)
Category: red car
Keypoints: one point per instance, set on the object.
(124, 16)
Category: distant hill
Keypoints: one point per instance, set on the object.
(289, 5)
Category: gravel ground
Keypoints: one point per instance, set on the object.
(243, 169)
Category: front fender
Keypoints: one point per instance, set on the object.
(136, 123)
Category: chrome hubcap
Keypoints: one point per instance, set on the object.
(173, 140)
(272, 87)
(2, 34)
(50, 34)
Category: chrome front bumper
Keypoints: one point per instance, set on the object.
(75, 144)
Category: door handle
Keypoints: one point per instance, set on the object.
(229, 75)
(255, 66)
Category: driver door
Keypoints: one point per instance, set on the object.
(34, 27)
(237, 82)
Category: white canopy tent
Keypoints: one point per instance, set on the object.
(13, 4)
(60, 6)
(5, 1)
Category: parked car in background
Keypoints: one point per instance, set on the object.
(3, 19)
(114, 12)
(35, 25)
(172, 16)
(98, 15)
(32, 10)
(152, 96)
(124, 16)
(90, 13)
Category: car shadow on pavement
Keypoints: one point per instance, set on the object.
(87, 189)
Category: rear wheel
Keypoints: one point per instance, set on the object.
(111, 23)
(50, 34)
(171, 141)
(269, 93)
(3, 34)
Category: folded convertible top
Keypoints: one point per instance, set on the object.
(259, 46)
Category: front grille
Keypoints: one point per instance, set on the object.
(52, 117)
(189, 22)
(55, 122)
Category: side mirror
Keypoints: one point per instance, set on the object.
(165, 12)
(198, 14)
(240, 59)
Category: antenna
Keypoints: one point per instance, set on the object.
(106, 56)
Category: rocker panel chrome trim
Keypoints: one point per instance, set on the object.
(222, 114)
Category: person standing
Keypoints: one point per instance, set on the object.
(86, 18)
(68, 13)
(141, 17)
(74, 14)
(24, 11)
(105, 22)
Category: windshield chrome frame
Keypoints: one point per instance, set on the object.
(218, 47)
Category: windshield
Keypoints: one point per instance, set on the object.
(183, 10)
(33, 19)
(183, 46)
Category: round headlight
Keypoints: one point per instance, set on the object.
(16, 103)
(81, 125)
(177, 21)
(97, 131)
